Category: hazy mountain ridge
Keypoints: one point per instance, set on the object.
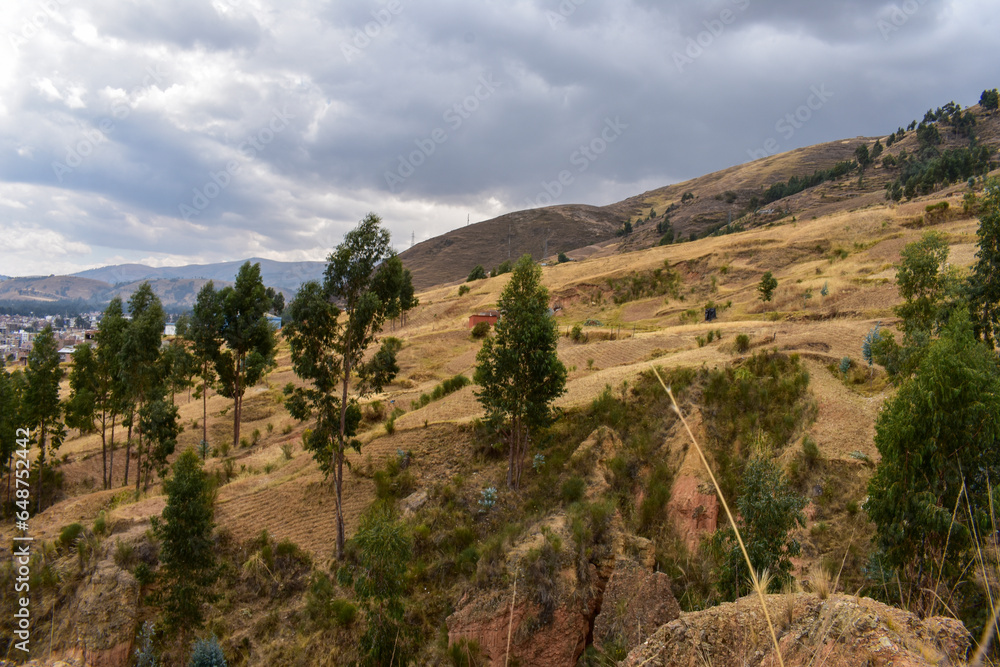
(286, 275)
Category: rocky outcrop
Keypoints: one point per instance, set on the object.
(840, 630)
(694, 512)
(636, 602)
(489, 621)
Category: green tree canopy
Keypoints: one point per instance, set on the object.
(517, 368)
(330, 328)
(477, 273)
(767, 286)
(40, 406)
(204, 331)
(186, 548)
(112, 399)
(249, 339)
(138, 360)
(84, 386)
(985, 279)
(384, 550)
(940, 433)
(10, 410)
(768, 511)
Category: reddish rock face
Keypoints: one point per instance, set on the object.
(636, 603)
(488, 621)
(694, 513)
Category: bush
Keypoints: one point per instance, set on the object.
(845, 365)
(810, 451)
(573, 489)
(742, 343)
(69, 534)
(478, 273)
(481, 330)
(577, 334)
(207, 653)
(562, 258)
(463, 290)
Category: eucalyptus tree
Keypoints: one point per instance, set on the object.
(330, 327)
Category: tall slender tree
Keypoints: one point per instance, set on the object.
(329, 342)
(139, 359)
(111, 395)
(205, 333)
(81, 408)
(517, 369)
(41, 409)
(10, 409)
(985, 279)
(248, 336)
(187, 551)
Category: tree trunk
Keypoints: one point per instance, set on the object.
(128, 450)
(104, 448)
(237, 403)
(41, 467)
(111, 457)
(204, 405)
(138, 463)
(338, 484)
(339, 472)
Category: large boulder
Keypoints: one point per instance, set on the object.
(636, 603)
(839, 630)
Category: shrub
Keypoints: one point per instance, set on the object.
(488, 498)
(145, 655)
(466, 653)
(845, 365)
(573, 489)
(124, 554)
(577, 334)
(69, 534)
(477, 273)
(286, 451)
(100, 524)
(562, 258)
(481, 330)
(463, 290)
(742, 343)
(810, 450)
(207, 653)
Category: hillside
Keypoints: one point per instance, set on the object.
(285, 275)
(541, 232)
(615, 422)
(176, 293)
(716, 199)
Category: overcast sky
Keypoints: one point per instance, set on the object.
(192, 131)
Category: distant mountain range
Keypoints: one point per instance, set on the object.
(177, 286)
(284, 275)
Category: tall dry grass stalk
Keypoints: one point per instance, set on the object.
(729, 515)
(990, 630)
(510, 621)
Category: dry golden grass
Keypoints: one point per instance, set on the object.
(293, 501)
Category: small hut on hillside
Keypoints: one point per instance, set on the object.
(489, 316)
